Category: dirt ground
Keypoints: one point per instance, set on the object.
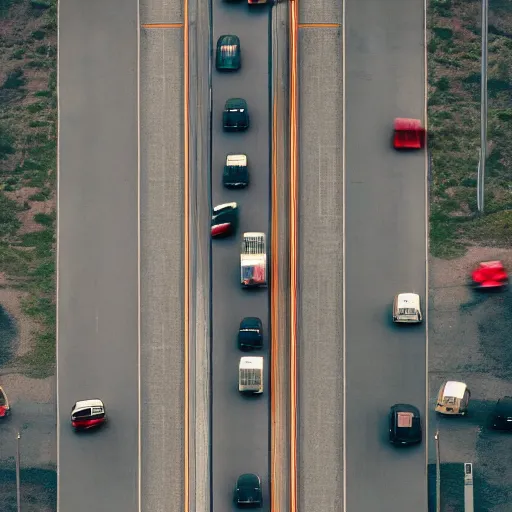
(469, 334)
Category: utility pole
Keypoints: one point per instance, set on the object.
(18, 486)
(483, 110)
(438, 473)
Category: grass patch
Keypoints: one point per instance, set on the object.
(28, 143)
(454, 126)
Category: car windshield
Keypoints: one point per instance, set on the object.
(407, 311)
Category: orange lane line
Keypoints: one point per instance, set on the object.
(294, 175)
(186, 297)
(274, 318)
(163, 25)
(319, 25)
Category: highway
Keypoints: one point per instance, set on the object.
(98, 222)
(240, 426)
(162, 196)
(320, 298)
(385, 230)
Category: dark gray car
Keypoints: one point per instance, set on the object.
(248, 491)
(235, 117)
(250, 334)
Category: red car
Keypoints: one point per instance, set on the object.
(87, 414)
(490, 275)
(224, 220)
(408, 134)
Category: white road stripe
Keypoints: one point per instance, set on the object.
(139, 468)
(343, 156)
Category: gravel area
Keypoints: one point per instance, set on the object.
(468, 334)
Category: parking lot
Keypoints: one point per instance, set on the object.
(469, 337)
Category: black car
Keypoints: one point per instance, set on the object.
(224, 220)
(236, 172)
(404, 424)
(248, 491)
(228, 53)
(235, 117)
(250, 334)
(502, 415)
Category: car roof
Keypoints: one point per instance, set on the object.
(93, 402)
(405, 300)
(251, 362)
(228, 39)
(236, 160)
(454, 389)
(235, 103)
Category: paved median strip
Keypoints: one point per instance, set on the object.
(162, 25)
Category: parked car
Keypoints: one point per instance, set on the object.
(502, 414)
(489, 275)
(408, 134)
(407, 308)
(235, 117)
(228, 55)
(87, 414)
(5, 409)
(250, 334)
(248, 491)
(236, 172)
(224, 220)
(404, 425)
(453, 398)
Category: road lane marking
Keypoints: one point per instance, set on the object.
(57, 262)
(186, 93)
(425, 120)
(274, 316)
(343, 267)
(139, 440)
(166, 25)
(319, 25)
(294, 28)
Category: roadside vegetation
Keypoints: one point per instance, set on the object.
(28, 142)
(454, 60)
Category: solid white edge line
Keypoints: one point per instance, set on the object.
(344, 174)
(139, 440)
(425, 113)
(57, 262)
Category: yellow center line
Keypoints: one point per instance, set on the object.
(162, 25)
(319, 25)
(294, 178)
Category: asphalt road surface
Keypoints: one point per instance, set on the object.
(162, 256)
(321, 258)
(97, 258)
(240, 426)
(385, 251)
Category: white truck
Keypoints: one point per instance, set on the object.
(253, 260)
(250, 375)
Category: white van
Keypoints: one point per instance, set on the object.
(250, 375)
(407, 308)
